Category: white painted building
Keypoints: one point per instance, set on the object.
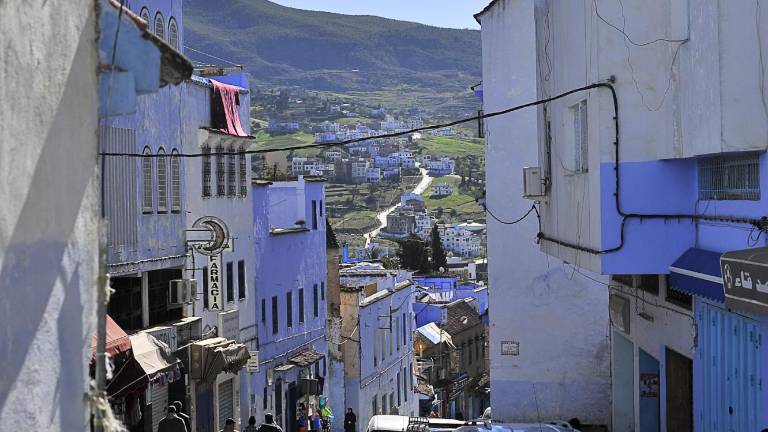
(360, 169)
(551, 337)
(373, 175)
(459, 241)
(377, 330)
(442, 189)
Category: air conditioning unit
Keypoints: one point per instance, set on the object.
(533, 182)
(182, 291)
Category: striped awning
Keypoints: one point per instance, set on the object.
(697, 272)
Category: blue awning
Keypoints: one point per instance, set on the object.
(697, 272)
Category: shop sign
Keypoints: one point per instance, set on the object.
(229, 325)
(214, 282)
(253, 363)
(745, 279)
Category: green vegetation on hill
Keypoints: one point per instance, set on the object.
(457, 207)
(451, 147)
(282, 46)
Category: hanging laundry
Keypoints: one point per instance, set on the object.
(224, 102)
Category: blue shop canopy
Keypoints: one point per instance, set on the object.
(697, 272)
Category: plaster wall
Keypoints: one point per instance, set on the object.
(49, 219)
(559, 318)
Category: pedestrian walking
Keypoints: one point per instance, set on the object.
(171, 422)
(251, 425)
(180, 412)
(350, 421)
(229, 426)
(316, 425)
(269, 424)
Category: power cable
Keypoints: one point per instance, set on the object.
(520, 219)
(210, 55)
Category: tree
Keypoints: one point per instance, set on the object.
(439, 259)
(413, 254)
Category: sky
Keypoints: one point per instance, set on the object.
(440, 13)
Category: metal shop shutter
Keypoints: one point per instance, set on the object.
(731, 373)
(159, 404)
(226, 408)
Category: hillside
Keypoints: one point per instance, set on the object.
(282, 46)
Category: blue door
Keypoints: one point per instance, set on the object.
(204, 408)
(728, 373)
(649, 384)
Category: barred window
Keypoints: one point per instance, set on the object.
(220, 179)
(160, 26)
(206, 171)
(162, 181)
(175, 181)
(147, 192)
(231, 175)
(243, 173)
(729, 178)
(173, 33)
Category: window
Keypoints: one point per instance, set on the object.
(175, 181)
(383, 345)
(162, 182)
(145, 15)
(301, 305)
(648, 283)
(314, 214)
(390, 337)
(405, 384)
(397, 332)
(469, 352)
(147, 202)
(678, 298)
(374, 405)
(205, 287)
(241, 280)
(398, 389)
(220, 179)
(477, 347)
(275, 323)
(321, 208)
(206, 171)
(322, 291)
(263, 311)
(289, 308)
(627, 280)
(375, 347)
(264, 398)
(231, 175)
(580, 136)
(160, 26)
(173, 33)
(315, 303)
(230, 283)
(729, 178)
(404, 342)
(243, 173)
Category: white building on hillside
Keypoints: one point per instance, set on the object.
(442, 189)
(459, 241)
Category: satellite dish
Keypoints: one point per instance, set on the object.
(219, 235)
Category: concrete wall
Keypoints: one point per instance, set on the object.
(559, 317)
(49, 219)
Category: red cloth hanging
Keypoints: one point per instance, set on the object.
(224, 115)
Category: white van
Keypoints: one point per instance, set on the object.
(396, 423)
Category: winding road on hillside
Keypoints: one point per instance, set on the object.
(426, 180)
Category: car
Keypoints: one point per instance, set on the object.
(517, 427)
(397, 423)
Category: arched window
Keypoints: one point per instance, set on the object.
(221, 180)
(175, 181)
(173, 33)
(231, 175)
(159, 26)
(206, 171)
(146, 170)
(162, 181)
(243, 173)
(145, 16)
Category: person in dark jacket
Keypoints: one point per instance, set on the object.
(179, 412)
(350, 421)
(171, 422)
(269, 424)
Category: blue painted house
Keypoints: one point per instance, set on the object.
(290, 277)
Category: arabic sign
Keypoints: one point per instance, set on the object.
(745, 279)
(214, 282)
(510, 348)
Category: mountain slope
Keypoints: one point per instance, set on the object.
(319, 50)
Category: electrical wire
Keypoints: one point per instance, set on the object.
(624, 33)
(210, 55)
(520, 219)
